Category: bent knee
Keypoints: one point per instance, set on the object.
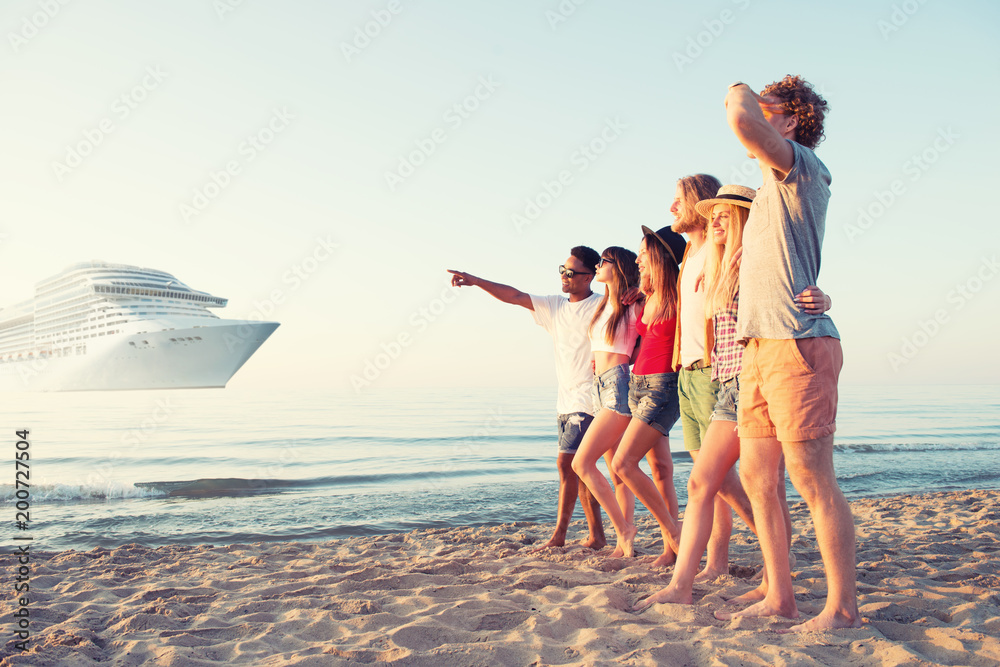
(699, 488)
(623, 469)
(661, 472)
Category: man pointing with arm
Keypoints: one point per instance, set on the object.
(568, 321)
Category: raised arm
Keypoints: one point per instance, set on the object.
(505, 293)
(762, 127)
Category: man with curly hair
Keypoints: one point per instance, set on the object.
(788, 386)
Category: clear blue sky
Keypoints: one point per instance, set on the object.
(308, 118)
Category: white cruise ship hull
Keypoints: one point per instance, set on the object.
(204, 355)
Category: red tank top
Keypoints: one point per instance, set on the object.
(656, 354)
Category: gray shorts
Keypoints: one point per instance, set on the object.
(728, 402)
(572, 426)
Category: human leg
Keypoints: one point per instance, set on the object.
(592, 512)
(800, 378)
(717, 553)
(604, 431)
(639, 438)
(718, 453)
(810, 468)
(760, 460)
(568, 491)
(661, 465)
(571, 429)
(626, 499)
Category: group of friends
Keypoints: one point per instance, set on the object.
(728, 332)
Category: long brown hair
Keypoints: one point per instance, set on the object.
(661, 287)
(624, 277)
(693, 190)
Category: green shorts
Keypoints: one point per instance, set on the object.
(698, 393)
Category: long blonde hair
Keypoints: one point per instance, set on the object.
(722, 282)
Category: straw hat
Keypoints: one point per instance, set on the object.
(738, 195)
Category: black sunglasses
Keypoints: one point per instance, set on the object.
(569, 273)
(604, 261)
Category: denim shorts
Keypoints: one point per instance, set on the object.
(572, 426)
(653, 400)
(729, 400)
(610, 390)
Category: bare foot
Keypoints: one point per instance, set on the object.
(668, 594)
(627, 542)
(826, 621)
(756, 595)
(708, 575)
(595, 543)
(618, 552)
(665, 560)
(553, 542)
(671, 542)
(759, 610)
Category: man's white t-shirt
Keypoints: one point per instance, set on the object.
(568, 322)
(693, 308)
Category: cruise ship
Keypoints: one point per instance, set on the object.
(100, 326)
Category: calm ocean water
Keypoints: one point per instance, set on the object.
(229, 466)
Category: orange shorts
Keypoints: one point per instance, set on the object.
(788, 388)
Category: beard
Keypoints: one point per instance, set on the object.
(691, 224)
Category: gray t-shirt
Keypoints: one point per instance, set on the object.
(782, 241)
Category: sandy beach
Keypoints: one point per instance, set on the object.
(928, 581)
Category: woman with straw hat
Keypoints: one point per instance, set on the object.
(728, 212)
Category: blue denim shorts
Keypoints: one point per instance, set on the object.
(728, 402)
(572, 426)
(610, 390)
(653, 400)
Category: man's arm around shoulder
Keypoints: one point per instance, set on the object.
(504, 293)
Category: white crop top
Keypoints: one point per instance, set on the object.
(625, 337)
